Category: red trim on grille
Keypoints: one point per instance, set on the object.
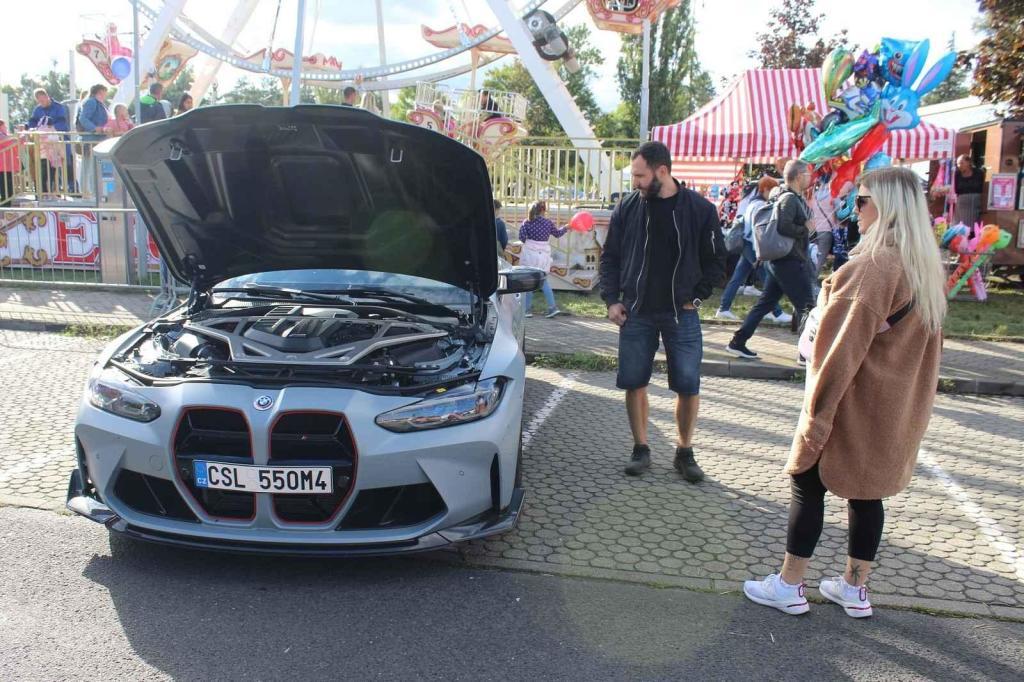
(197, 506)
(336, 514)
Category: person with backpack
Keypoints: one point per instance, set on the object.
(871, 378)
(151, 108)
(91, 123)
(781, 240)
(748, 260)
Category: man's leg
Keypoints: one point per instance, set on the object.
(638, 342)
(792, 276)
(765, 304)
(637, 409)
(684, 350)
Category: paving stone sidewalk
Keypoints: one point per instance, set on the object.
(968, 366)
(953, 540)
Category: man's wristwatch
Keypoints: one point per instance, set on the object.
(696, 302)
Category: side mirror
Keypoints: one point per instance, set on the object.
(519, 280)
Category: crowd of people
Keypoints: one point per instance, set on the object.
(55, 156)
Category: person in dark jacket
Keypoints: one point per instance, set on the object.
(789, 275)
(150, 107)
(663, 256)
(500, 228)
(49, 112)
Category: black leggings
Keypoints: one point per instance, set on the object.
(807, 514)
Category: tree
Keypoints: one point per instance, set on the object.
(678, 84)
(405, 103)
(998, 76)
(540, 119)
(21, 102)
(783, 45)
(266, 91)
(181, 85)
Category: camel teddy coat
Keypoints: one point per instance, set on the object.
(869, 392)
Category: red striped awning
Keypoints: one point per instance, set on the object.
(698, 174)
(748, 123)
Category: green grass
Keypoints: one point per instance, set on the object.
(1001, 318)
(587, 362)
(102, 332)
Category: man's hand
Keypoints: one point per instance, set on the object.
(617, 313)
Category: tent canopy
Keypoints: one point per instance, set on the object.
(748, 123)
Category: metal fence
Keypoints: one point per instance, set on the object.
(553, 169)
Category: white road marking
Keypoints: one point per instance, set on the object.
(541, 415)
(993, 532)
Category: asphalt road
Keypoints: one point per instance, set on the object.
(75, 605)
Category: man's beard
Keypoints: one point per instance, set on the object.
(653, 189)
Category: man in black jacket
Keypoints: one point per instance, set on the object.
(791, 274)
(663, 255)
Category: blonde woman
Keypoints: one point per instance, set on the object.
(871, 384)
(121, 122)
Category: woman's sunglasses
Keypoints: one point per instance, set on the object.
(861, 200)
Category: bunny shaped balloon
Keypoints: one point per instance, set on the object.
(899, 103)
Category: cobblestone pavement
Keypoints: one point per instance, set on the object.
(988, 361)
(953, 541)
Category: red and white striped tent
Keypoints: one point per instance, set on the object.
(748, 124)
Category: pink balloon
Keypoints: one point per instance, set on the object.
(582, 222)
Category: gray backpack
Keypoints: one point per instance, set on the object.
(734, 236)
(768, 243)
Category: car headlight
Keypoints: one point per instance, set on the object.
(459, 406)
(109, 395)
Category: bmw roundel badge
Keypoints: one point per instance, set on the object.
(264, 402)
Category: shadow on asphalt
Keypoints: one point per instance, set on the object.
(204, 615)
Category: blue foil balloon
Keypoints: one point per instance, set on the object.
(121, 68)
(878, 160)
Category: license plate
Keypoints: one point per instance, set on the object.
(261, 479)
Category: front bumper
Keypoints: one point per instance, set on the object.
(80, 501)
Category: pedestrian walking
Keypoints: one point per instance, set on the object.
(789, 274)
(535, 232)
(876, 344)
(747, 262)
(662, 257)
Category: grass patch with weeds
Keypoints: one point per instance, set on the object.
(588, 362)
(1000, 318)
(101, 332)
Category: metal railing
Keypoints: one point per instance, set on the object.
(552, 169)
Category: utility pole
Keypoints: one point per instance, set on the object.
(297, 57)
(645, 82)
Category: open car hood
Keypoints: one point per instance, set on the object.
(237, 189)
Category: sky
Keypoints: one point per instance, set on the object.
(347, 30)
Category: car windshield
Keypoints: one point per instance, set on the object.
(340, 281)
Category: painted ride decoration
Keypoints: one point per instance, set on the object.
(114, 61)
(627, 16)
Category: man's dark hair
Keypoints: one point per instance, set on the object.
(99, 87)
(497, 205)
(348, 91)
(156, 88)
(655, 154)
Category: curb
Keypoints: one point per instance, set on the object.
(745, 369)
(723, 586)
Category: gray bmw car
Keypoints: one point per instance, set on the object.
(347, 374)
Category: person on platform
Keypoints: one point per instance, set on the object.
(350, 97)
(152, 109)
(10, 163)
(92, 121)
(121, 122)
(184, 104)
(49, 113)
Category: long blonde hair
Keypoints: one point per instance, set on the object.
(904, 223)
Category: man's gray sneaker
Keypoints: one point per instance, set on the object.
(640, 461)
(687, 465)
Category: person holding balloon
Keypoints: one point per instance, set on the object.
(535, 232)
(873, 347)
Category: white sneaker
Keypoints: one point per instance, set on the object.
(782, 318)
(528, 315)
(853, 599)
(750, 290)
(725, 315)
(773, 592)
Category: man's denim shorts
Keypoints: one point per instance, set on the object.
(684, 349)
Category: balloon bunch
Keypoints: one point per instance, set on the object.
(973, 253)
(869, 96)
